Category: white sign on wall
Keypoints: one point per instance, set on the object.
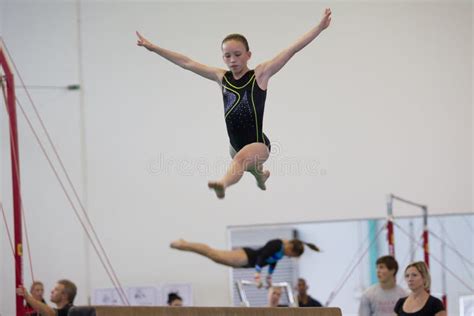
(106, 297)
(144, 295)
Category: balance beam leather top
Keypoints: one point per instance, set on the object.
(214, 311)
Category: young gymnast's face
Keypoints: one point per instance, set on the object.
(235, 55)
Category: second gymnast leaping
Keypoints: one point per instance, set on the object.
(270, 254)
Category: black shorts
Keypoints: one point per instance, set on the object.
(251, 257)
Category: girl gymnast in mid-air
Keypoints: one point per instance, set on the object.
(244, 93)
(270, 254)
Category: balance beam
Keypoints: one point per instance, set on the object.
(216, 311)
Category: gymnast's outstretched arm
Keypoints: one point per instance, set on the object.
(208, 72)
(266, 70)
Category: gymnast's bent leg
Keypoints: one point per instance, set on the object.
(251, 157)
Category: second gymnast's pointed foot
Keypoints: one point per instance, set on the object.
(218, 187)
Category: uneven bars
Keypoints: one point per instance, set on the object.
(243, 297)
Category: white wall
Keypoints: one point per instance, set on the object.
(2, 4)
(381, 102)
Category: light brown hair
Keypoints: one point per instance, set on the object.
(422, 268)
(238, 38)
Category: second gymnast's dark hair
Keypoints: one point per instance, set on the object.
(298, 246)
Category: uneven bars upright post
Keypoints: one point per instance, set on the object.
(243, 297)
(425, 224)
(14, 153)
(390, 233)
(444, 289)
(426, 248)
(444, 297)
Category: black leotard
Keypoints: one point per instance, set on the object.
(244, 104)
(267, 255)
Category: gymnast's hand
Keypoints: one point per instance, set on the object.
(269, 281)
(258, 280)
(326, 20)
(141, 41)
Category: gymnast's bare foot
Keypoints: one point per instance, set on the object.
(218, 187)
(262, 178)
(179, 244)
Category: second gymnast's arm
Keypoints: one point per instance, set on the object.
(211, 73)
(267, 251)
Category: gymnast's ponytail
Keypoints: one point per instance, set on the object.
(298, 246)
(312, 246)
